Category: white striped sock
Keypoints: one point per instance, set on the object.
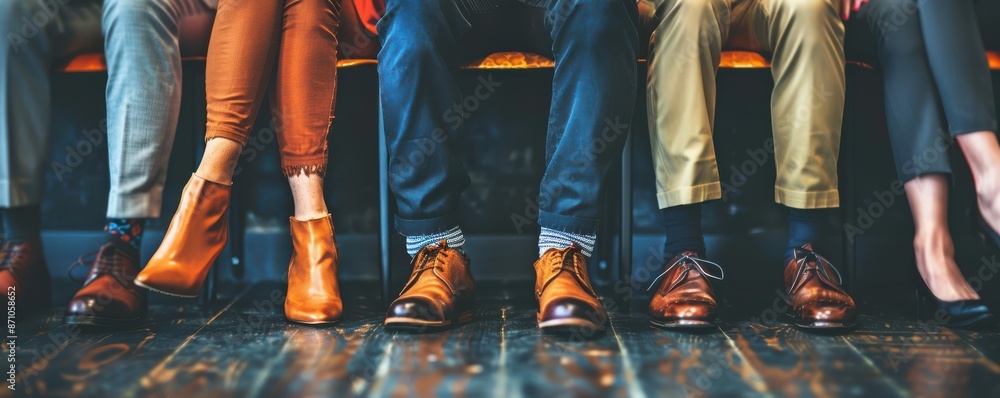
(454, 237)
(553, 239)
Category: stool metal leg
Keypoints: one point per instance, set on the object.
(385, 216)
(625, 236)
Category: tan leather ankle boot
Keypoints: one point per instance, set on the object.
(313, 292)
(194, 239)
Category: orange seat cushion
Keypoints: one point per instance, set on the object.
(521, 60)
(743, 60)
(512, 60)
(993, 57)
(86, 63)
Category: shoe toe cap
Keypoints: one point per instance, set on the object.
(571, 308)
(414, 308)
(686, 310)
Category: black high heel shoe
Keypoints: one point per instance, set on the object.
(983, 229)
(967, 314)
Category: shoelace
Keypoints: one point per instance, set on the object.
(801, 262)
(697, 262)
(109, 265)
(573, 269)
(428, 263)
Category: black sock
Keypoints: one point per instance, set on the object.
(806, 226)
(22, 224)
(683, 230)
(126, 234)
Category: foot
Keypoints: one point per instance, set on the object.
(23, 272)
(438, 294)
(813, 290)
(566, 300)
(109, 296)
(195, 238)
(684, 297)
(313, 292)
(935, 254)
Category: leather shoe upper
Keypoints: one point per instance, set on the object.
(23, 269)
(562, 287)
(440, 287)
(313, 291)
(196, 236)
(683, 291)
(817, 298)
(109, 291)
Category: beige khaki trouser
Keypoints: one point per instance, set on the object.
(805, 38)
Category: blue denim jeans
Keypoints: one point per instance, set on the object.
(594, 44)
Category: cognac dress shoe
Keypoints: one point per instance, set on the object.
(817, 299)
(566, 301)
(684, 297)
(438, 294)
(194, 239)
(24, 273)
(109, 296)
(313, 293)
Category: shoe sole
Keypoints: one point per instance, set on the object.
(832, 326)
(568, 325)
(87, 320)
(421, 325)
(314, 323)
(978, 321)
(140, 284)
(683, 324)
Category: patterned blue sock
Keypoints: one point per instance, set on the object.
(554, 239)
(126, 234)
(454, 237)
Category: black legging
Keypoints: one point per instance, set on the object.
(937, 81)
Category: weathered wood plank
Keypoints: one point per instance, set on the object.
(225, 356)
(317, 361)
(986, 341)
(926, 359)
(798, 363)
(578, 365)
(696, 364)
(62, 360)
(460, 361)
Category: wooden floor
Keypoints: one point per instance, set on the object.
(244, 347)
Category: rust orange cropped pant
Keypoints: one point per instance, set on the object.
(286, 47)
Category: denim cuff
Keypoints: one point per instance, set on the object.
(428, 226)
(558, 222)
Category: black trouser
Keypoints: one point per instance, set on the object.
(937, 82)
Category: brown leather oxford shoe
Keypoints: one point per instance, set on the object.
(566, 301)
(109, 297)
(438, 294)
(817, 300)
(195, 238)
(313, 292)
(684, 297)
(23, 271)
